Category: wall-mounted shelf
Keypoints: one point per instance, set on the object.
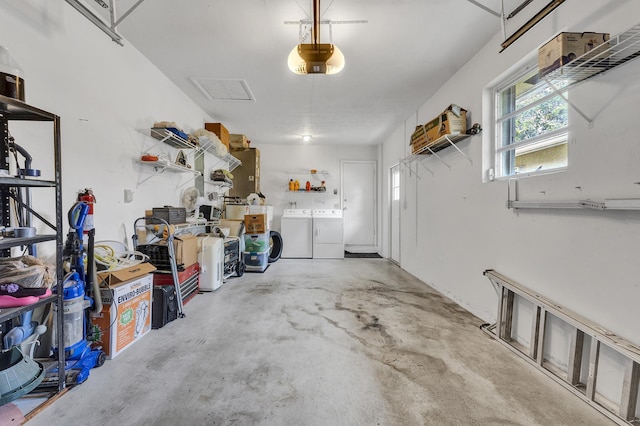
(307, 192)
(431, 149)
(164, 136)
(168, 137)
(617, 51)
(207, 145)
(165, 166)
(307, 172)
(220, 184)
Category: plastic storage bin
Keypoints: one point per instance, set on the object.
(256, 243)
(256, 262)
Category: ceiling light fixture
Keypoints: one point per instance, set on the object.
(306, 138)
(316, 58)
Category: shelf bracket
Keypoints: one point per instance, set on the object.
(425, 167)
(571, 104)
(458, 149)
(98, 21)
(438, 157)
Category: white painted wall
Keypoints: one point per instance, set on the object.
(454, 226)
(102, 92)
(279, 163)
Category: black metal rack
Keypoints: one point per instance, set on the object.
(16, 110)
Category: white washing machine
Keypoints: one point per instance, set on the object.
(328, 234)
(296, 229)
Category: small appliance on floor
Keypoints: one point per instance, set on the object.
(211, 259)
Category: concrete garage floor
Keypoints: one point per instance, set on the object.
(320, 342)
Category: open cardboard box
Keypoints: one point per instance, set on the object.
(126, 311)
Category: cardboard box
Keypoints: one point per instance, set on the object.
(262, 209)
(236, 227)
(126, 311)
(220, 131)
(452, 120)
(565, 47)
(255, 223)
(238, 141)
(186, 248)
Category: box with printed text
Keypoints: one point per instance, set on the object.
(126, 308)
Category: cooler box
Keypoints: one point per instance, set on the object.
(256, 262)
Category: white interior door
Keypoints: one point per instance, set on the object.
(394, 214)
(358, 184)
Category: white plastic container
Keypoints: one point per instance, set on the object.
(11, 80)
(211, 260)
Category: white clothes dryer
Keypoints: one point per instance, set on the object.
(328, 234)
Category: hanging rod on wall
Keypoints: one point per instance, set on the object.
(98, 21)
(514, 202)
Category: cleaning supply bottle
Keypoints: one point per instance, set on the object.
(292, 185)
(296, 185)
(307, 187)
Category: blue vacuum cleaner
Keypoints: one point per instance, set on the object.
(80, 358)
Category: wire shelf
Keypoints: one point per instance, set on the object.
(168, 137)
(617, 51)
(209, 146)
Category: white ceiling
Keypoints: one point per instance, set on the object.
(394, 62)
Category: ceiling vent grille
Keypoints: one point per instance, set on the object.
(224, 89)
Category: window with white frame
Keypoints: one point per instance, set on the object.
(531, 126)
(395, 184)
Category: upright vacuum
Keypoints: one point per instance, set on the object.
(80, 358)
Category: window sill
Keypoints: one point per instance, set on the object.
(530, 174)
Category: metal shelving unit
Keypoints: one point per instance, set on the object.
(16, 110)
